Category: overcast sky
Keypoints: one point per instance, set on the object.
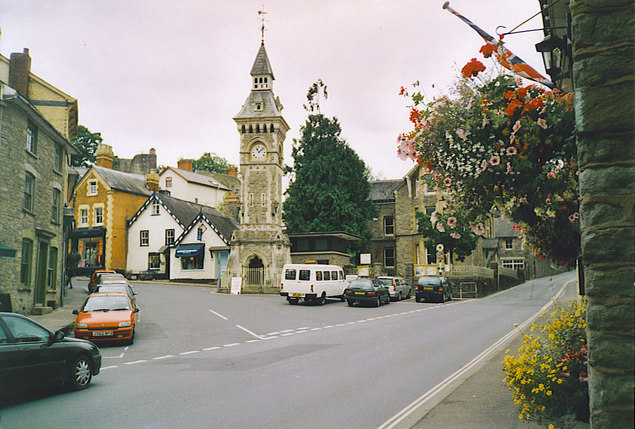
(171, 74)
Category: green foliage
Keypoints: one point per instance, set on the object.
(548, 376)
(505, 148)
(212, 163)
(313, 96)
(458, 239)
(330, 188)
(86, 142)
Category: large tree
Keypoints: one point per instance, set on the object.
(212, 163)
(86, 142)
(330, 186)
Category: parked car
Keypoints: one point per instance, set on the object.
(31, 355)
(433, 288)
(93, 278)
(123, 287)
(367, 291)
(106, 317)
(312, 282)
(397, 287)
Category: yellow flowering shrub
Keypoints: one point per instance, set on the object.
(548, 375)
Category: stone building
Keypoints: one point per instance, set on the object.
(259, 248)
(33, 179)
(141, 163)
(103, 200)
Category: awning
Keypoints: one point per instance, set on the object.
(7, 251)
(190, 250)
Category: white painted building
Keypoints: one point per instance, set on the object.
(186, 185)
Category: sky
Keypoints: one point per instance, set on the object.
(171, 75)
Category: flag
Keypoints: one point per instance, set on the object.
(503, 55)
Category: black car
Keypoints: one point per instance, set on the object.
(31, 355)
(366, 291)
(433, 288)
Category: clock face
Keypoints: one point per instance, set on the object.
(258, 151)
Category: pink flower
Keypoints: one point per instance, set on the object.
(440, 227)
(573, 217)
(495, 160)
(433, 218)
(542, 123)
(455, 235)
(516, 126)
(511, 151)
(477, 229)
(447, 181)
(452, 222)
(484, 165)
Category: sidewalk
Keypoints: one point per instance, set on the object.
(62, 318)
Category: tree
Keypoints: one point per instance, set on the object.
(500, 147)
(212, 163)
(458, 240)
(86, 142)
(330, 188)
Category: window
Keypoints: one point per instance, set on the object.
(99, 215)
(327, 275)
(513, 263)
(25, 263)
(289, 274)
(509, 243)
(29, 189)
(25, 331)
(192, 262)
(51, 272)
(156, 208)
(169, 236)
(389, 257)
(144, 237)
(250, 199)
(31, 138)
(56, 205)
(168, 182)
(92, 187)
(59, 158)
(389, 225)
(83, 217)
(263, 196)
(305, 275)
(154, 261)
(318, 275)
(333, 275)
(199, 234)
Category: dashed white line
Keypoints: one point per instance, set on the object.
(249, 332)
(109, 367)
(191, 352)
(135, 362)
(211, 348)
(231, 345)
(252, 341)
(287, 334)
(218, 314)
(163, 357)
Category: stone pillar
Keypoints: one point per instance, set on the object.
(604, 39)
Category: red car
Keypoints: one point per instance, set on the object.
(93, 278)
(106, 317)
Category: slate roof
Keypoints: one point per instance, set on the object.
(125, 182)
(270, 106)
(503, 227)
(383, 190)
(201, 179)
(229, 181)
(261, 63)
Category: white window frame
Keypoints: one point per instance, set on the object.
(391, 257)
(509, 244)
(513, 263)
(144, 238)
(391, 226)
(98, 212)
(155, 208)
(83, 216)
(91, 189)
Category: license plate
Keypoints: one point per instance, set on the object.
(102, 334)
(360, 293)
(428, 288)
(299, 295)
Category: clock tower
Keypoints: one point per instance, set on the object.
(259, 248)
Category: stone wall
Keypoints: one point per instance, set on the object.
(604, 42)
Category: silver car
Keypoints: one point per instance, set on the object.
(397, 287)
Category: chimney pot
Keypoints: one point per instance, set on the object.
(19, 69)
(185, 164)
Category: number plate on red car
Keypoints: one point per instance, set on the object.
(102, 334)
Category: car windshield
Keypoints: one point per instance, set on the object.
(106, 303)
(111, 288)
(429, 281)
(361, 284)
(386, 281)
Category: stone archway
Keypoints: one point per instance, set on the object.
(254, 272)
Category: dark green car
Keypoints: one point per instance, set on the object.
(367, 291)
(433, 288)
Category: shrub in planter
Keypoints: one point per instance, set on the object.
(548, 375)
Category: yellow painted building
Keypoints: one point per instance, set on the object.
(103, 200)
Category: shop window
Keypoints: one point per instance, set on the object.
(192, 262)
(154, 261)
(25, 263)
(91, 249)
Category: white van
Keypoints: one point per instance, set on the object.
(313, 283)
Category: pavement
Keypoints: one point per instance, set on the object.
(480, 401)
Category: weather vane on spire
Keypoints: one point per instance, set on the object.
(262, 14)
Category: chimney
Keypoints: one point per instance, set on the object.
(184, 164)
(19, 68)
(152, 181)
(104, 156)
(232, 171)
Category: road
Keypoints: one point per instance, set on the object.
(207, 360)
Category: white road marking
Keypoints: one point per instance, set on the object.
(191, 352)
(249, 332)
(217, 314)
(135, 362)
(211, 348)
(231, 345)
(287, 334)
(163, 357)
(108, 367)
(252, 341)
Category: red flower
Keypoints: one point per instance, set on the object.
(472, 68)
(534, 103)
(509, 95)
(522, 92)
(488, 49)
(415, 116)
(513, 105)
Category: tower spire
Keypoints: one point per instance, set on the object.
(262, 14)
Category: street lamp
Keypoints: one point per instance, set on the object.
(553, 50)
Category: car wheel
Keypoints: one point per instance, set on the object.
(293, 301)
(81, 373)
(322, 299)
(408, 296)
(378, 302)
(450, 296)
(350, 302)
(442, 298)
(388, 299)
(399, 298)
(417, 298)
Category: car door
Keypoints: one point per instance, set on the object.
(40, 361)
(10, 359)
